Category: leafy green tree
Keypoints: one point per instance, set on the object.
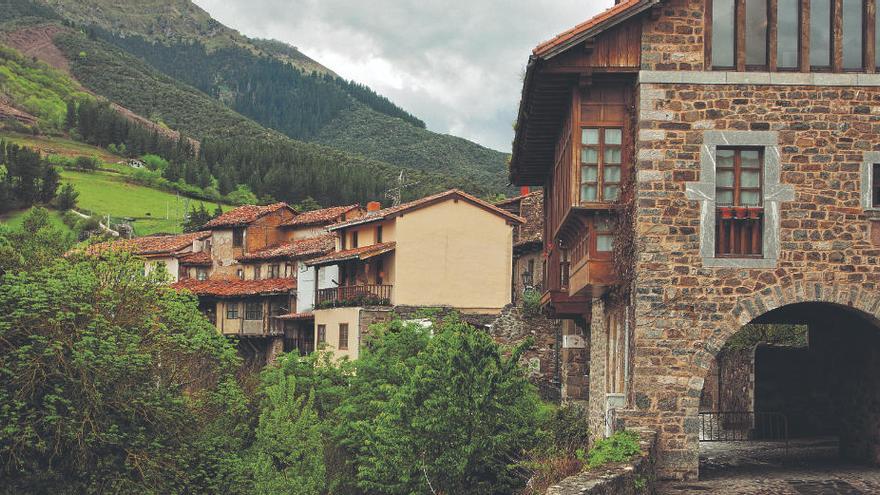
(67, 197)
(288, 450)
(86, 162)
(242, 195)
(447, 413)
(109, 382)
(35, 244)
(196, 218)
(307, 204)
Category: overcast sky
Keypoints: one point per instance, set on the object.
(457, 64)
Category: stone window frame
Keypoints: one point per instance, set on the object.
(774, 193)
(868, 160)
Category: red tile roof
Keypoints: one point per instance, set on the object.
(201, 258)
(423, 202)
(232, 288)
(362, 253)
(319, 217)
(150, 245)
(300, 248)
(243, 215)
(608, 17)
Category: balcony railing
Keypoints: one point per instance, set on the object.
(739, 232)
(354, 295)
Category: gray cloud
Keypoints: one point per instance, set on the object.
(457, 65)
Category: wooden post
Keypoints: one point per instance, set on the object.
(772, 34)
(740, 36)
(870, 36)
(805, 36)
(837, 36)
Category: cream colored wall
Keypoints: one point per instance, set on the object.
(171, 266)
(367, 234)
(332, 318)
(306, 233)
(453, 254)
(222, 254)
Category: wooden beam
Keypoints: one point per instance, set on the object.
(772, 34)
(740, 36)
(805, 36)
(836, 35)
(870, 36)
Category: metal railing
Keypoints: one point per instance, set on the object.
(743, 426)
(355, 294)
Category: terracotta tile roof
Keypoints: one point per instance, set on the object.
(149, 245)
(423, 202)
(300, 248)
(243, 215)
(202, 258)
(296, 316)
(362, 253)
(319, 217)
(608, 17)
(232, 288)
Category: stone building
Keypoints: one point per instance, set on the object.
(709, 164)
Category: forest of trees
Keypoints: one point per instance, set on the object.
(269, 91)
(26, 179)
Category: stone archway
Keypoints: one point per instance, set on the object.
(800, 303)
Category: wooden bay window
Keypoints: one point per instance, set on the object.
(601, 164)
(738, 196)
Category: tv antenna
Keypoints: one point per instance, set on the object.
(395, 194)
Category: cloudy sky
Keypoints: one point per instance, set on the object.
(457, 64)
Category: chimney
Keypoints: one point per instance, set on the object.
(374, 206)
(523, 190)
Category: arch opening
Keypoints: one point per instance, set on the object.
(796, 387)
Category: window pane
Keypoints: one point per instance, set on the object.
(613, 136)
(724, 197)
(612, 174)
(723, 23)
(590, 136)
(724, 158)
(724, 178)
(589, 174)
(788, 33)
(751, 158)
(751, 178)
(749, 198)
(820, 33)
(852, 34)
(588, 192)
(611, 193)
(589, 155)
(756, 32)
(604, 242)
(612, 155)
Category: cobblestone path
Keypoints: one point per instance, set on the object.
(806, 467)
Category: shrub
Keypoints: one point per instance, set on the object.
(86, 162)
(155, 162)
(531, 303)
(620, 447)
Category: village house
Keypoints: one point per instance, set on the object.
(448, 250)
(709, 164)
(181, 256)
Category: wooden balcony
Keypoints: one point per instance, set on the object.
(354, 295)
(556, 298)
(739, 232)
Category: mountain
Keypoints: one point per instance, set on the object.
(277, 86)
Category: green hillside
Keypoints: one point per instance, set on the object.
(245, 75)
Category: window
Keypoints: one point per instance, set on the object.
(354, 239)
(201, 274)
(738, 195)
(342, 241)
(274, 270)
(322, 334)
(601, 157)
(852, 34)
(379, 234)
(723, 34)
(756, 33)
(256, 272)
(240, 273)
(237, 237)
(288, 270)
(788, 32)
(875, 185)
(253, 311)
(820, 33)
(343, 336)
(231, 311)
(604, 234)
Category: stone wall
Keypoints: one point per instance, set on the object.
(674, 41)
(632, 478)
(687, 308)
(513, 327)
